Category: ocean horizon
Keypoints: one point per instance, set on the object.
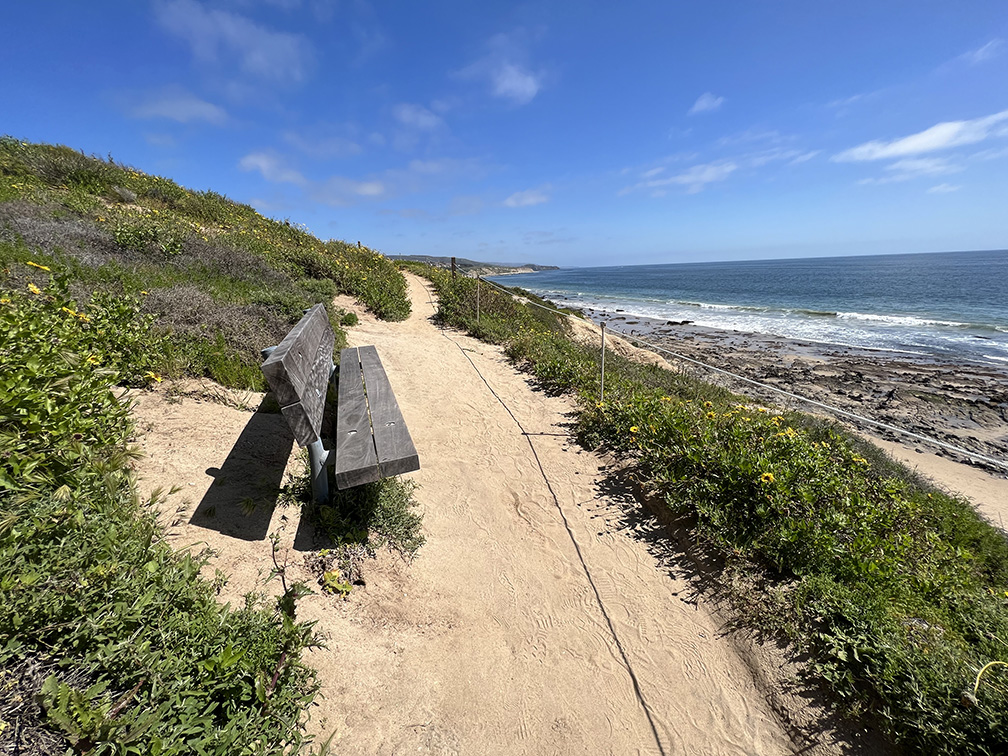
(947, 305)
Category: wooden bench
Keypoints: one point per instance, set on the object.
(371, 439)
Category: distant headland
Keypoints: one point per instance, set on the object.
(474, 268)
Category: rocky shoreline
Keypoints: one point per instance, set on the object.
(960, 403)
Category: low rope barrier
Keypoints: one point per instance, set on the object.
(829, 408)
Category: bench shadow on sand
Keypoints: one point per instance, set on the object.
(241, 499)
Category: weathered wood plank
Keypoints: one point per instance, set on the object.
(356, 459)
(305, 417)
(291, 365)
(396, 451)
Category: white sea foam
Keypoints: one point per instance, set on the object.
(910, 321)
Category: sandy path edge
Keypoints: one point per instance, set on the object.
(546, 614)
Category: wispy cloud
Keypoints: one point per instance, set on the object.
(215, 34)
(177, 104)
(507, 69)
(415, 177)
(527, 198)
(944, 188)
(941, 136)
(272, 168)
(913, 168)
(845, 102)
(984, 53)
(417, 117)
(706, 103)
(695, 179)
(338, 191)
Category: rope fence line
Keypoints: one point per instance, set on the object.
(829, 408)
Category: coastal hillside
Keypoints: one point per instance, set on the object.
(110, 641)
(216, 280)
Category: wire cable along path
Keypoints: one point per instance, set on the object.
(835, 411)
(540, 616)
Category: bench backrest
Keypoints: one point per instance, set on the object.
(298, 372)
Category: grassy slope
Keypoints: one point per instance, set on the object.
(897, 592)
(113, 276)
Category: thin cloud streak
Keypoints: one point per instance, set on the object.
(527, 198)
(706, 103)
(178, 105)
(941, 136)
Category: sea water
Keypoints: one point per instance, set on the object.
(950, 305)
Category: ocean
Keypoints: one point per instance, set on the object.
(949, 305)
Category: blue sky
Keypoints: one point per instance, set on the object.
(574, 133)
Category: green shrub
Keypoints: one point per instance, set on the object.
(139, 656)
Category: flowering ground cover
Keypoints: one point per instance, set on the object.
(109, 641)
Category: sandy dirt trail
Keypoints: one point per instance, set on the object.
(541, 616)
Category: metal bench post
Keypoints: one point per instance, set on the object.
(317, 458)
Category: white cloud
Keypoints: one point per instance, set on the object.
(774, 155)
(338, 191)
(923, 166)
(213, 34)
(752, 136)
(507, 69)
(176, 104)
(944, 188)
(416, 116)
(913, 168)
(706, 103)
(991, 154)
(804, 157)
(844, 102)
(272, 168)
(514, 83)
(528, 198)
(939, 137)
(694, 178)
(984, 53)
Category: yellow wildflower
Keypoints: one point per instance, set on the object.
(766, 478)
(34, 289)
(153, 376)
(634, 429)
(36, 265)
(711, 415)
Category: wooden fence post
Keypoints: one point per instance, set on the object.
(602, 380)
(453, 269)
(477, 299)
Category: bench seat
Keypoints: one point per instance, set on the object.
(372, 440)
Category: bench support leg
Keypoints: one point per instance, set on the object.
(318, 457)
